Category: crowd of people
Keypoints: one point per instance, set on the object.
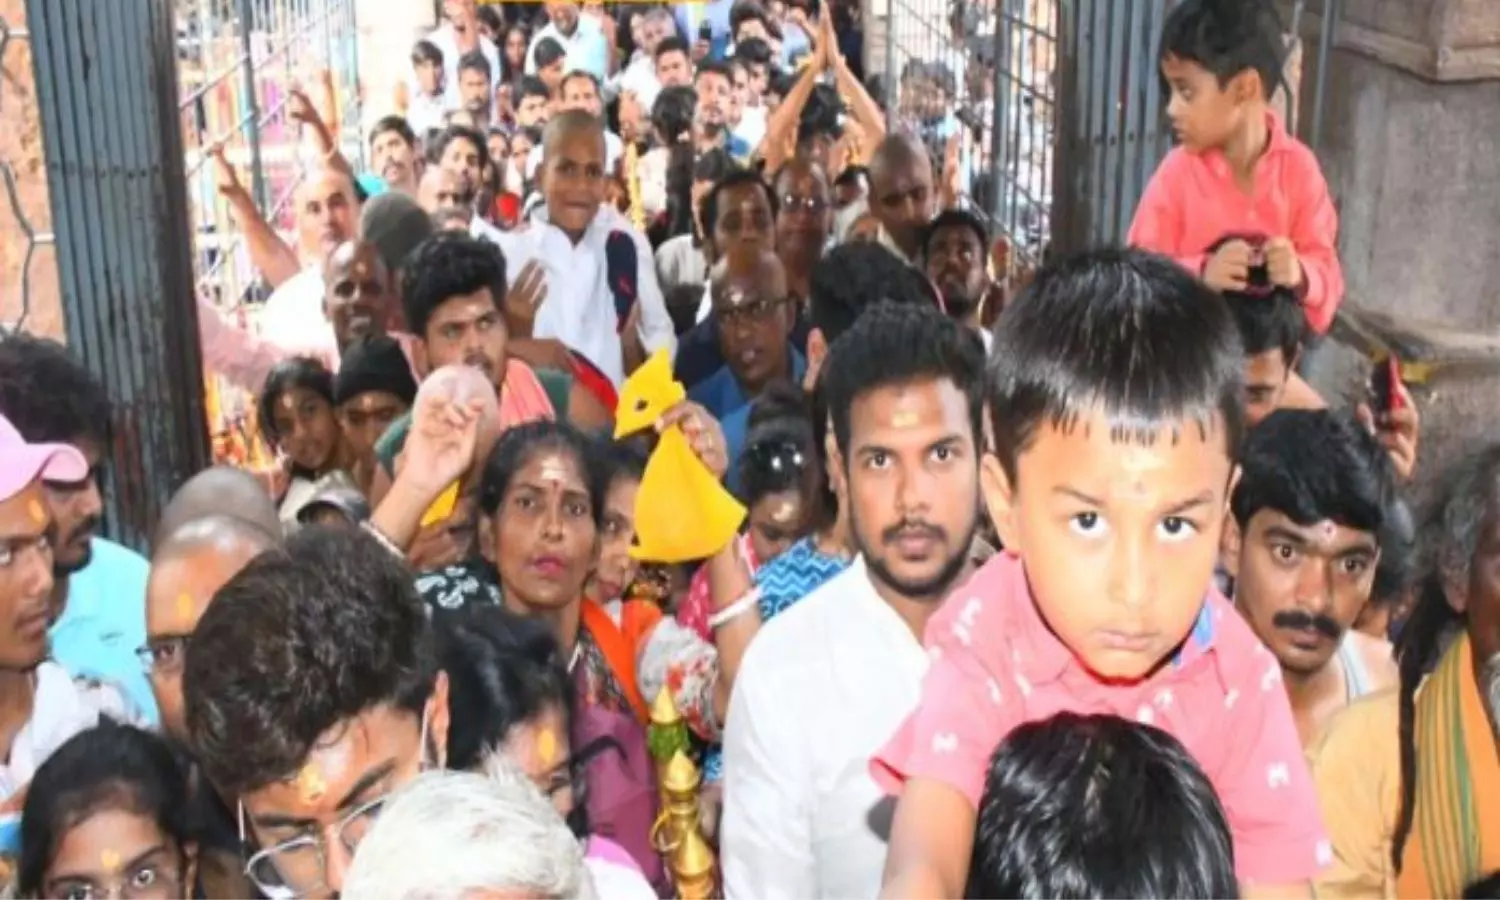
(1074, 588)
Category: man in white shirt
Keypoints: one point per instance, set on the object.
(568, 241)
(825, 684)
(456, 37)
(580, 36)
(327, 211)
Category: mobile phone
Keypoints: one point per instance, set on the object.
(1385, 384)
(705, 32)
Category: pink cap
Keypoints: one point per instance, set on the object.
(21, 463)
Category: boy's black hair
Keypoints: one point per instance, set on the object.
(49, 395)
(1123, 331)
(1313, 465)
(453, 133)
(714, 165)
(474, 61)
(746, 11)
(547, 52)
(898, 343)
(1271, 322)
(449, 264)
(305, 638)
(425, 51)
(851, 278)
(1227, 37)
(753, 51)
(709, 208)
(956, 218)
(532, 86)
(399, 125)
(711, 67)
(108, 767)
(489, 16)
(1098, 806)
(671, 44)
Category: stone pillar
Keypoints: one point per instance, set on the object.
(1411, 150)
(21, 152)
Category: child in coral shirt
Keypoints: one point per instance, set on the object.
(1114, 411)
(1236, 171)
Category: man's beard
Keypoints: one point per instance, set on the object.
(934, 587)
(84, 534)
(959, 304)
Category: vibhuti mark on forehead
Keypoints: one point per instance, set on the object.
(287, 401)
(907, 412)
(110, 861)
(553, 468)
(184, 606)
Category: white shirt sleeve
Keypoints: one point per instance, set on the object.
(656, 329)
(767, 827)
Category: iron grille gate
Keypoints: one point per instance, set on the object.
(131, 94)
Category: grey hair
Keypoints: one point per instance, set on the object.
(1450, 531)
(450, 834)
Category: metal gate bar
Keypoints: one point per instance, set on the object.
(107, 91)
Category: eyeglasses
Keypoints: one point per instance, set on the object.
(164, 655)
(754, 311)
(297, 867)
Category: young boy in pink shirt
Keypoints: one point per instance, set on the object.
(1114, 411)
(1236, 172)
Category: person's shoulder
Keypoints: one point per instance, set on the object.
(1359, 729)
(117, 558)
(1238, 653)
(798, 637)
(306, 284)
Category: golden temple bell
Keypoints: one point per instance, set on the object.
(677, 834)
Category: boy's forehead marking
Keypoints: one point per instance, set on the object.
(36, 511)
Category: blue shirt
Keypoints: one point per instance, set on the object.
(104, 623)
(721, 394)
(716, 13)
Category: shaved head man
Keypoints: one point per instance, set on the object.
(214, 491)
(901, 193)
(327, 213)
(187, 569)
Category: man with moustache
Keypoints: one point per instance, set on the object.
(358, 299)
(953, 253)
(98, 588)
(41, 704)
(824, 684)
(1302, 545)
(394, 156)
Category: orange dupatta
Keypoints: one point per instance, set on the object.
(1455, 834)
(620, 643)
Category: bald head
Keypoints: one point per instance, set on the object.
(567, 125)
(187, 569)
(327, 212)
(210, 493)
(901, 195)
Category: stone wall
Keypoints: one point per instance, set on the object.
(21, 149)
(1411, 150)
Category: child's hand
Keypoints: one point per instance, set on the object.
(1283, 266)
(1229, 268)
